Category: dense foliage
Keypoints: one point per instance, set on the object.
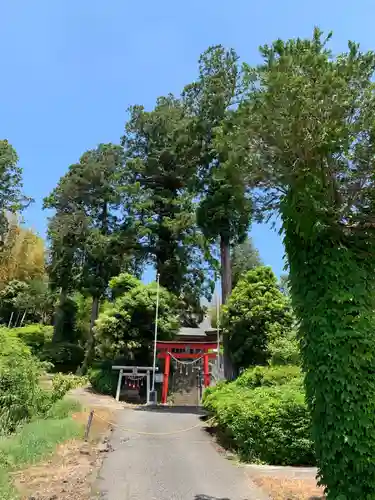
(126, 326)
(61, 384)
(263, 416)
(36, 337)
(284, 349)
(264, 376)
(256, 314)
(90, 199)
(65, 357)
(103, 379)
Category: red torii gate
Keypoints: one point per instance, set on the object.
(200, 350)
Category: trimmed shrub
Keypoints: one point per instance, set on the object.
(264, 417)
(64, 356)
(262, 376)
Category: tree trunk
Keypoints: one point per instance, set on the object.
(91, 340)
(226, 288)
(58, 324)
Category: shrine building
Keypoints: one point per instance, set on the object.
(194, 354)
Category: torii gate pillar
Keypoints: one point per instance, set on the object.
(167, 365)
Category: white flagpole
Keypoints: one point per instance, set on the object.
(156, 331)
(218, 331)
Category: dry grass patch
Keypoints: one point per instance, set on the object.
(70, 472)
(281, 488)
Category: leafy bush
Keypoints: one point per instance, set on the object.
(123, 283)
(61, 384)
(263, 376)
(103, 379)
(65, 357)
(264, 416)
(11, 344)
(126, 326)
(255, 313)
(284, 349)
(21, 397)
(34, 336)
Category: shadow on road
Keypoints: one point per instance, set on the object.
(206, 497)
(193, 410)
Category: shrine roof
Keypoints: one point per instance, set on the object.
(200, 331)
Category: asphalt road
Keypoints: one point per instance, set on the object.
(181, 466)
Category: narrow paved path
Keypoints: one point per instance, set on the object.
(181, 466)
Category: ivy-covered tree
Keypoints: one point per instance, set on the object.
(126, 327)
(309, 128)
(161, 162)
(256, 313)
(225, 207)
(91, 200)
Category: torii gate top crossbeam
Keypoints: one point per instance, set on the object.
(137, 368)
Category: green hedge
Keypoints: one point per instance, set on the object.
(262, 420)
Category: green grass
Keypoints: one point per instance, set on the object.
(63, 408)
(34, 442)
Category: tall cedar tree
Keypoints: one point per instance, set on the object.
(309, 126)
(92, 229)
(225, 207)
(161, 161)
(66, 233)
(245, 257)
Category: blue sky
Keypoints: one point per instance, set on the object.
(71, 69)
